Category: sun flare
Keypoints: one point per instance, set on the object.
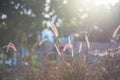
(105, 2)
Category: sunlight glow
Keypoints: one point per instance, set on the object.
(106, 2)
(4, 16)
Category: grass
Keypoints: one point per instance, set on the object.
(73, 69)
(70, 68)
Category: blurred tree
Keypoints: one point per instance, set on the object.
(22, 20)
(18, 21)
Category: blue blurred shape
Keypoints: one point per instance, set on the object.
(47, 34)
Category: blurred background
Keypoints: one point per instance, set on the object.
(25, 21)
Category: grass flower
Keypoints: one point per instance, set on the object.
(87, 41)
(67, 46)
(10, 45)
(80, 47)
(115, 32)
(54, 29)
(42, 41)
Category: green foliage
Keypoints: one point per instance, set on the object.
(18, 24)
(35, 61)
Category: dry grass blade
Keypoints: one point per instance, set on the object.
(83, 32)
(57, 50)
(70, 45)
(47, 55)
(69, 41)
(87, 41)
(80, 47)
(54, 29)
(42, 41)
(115, 32)
(67, 46)
(72, 52)
(76, 35)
